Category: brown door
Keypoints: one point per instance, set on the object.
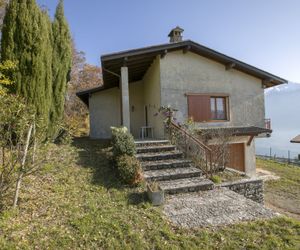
(237, 156)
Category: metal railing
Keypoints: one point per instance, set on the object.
(268, 123)
(192, 147)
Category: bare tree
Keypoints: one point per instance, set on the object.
(22, 147)
(218, 141)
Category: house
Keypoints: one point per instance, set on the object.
(214, 89)
(296, 139)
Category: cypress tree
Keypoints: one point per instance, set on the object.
(61, 64)
(27, 40)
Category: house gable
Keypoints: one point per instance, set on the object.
(188, 73)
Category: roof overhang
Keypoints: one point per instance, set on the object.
(139, 60)
(85, 94)
(240, 131)
(296, 139)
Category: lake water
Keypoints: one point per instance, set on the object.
(283, 107)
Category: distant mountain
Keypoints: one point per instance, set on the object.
(283, 107)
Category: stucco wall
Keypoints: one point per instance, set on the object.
(250, 159)
(104, 107)
(136, 102)
(152, 97)
(190, 73)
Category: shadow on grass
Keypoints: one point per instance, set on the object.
(95, 154)
(136, 198)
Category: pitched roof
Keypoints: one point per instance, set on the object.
(296, 139)
(139, 60)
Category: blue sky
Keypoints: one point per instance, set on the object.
(264, 33)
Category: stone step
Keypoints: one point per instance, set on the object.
(159, 156)
(151, 149)
(165, 164)
(186, 185)
(148, 143)
(171, 174)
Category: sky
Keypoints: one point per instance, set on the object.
(265, 34)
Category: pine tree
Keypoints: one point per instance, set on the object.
(61, 64)
(27, 40)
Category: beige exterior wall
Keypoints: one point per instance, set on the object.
(105, 110)
(105, 106)
(250, 159)
(136, 102)
(152, 97)
(166, 82)
(190, 73)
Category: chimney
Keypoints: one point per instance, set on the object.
(176, 35)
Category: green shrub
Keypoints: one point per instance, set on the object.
(122, 142)
(216, 179)
(129, 169)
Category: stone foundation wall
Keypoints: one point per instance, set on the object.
(251, 189)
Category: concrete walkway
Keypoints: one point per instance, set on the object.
(213, 208)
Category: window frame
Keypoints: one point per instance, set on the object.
(225, 103)
(215, 95)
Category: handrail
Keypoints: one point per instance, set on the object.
(191, 136)
(208, 161)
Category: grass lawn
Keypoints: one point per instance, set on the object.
(283, 194)
(77, 202)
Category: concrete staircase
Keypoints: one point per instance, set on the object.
(162, 162)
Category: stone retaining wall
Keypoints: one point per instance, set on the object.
(250, 188)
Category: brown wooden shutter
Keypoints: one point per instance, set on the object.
(199, 107)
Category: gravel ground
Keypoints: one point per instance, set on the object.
(213, 208)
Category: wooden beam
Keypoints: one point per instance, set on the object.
(250, 140)
(111, 72)
(266, 82)
(186, 49)
(131, 66)
(230, 66)
(163, 54)
(129, 62)
(125, 61)
(130, 59)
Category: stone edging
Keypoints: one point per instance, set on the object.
(250, 188)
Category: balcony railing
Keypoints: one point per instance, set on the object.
(268, 123)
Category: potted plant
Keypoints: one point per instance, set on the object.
(155, 193)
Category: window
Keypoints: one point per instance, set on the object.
(218, 108)
(208, 108)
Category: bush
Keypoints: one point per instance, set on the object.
(216, 179)
(122, 142)
(22, 138)
(130, 170)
